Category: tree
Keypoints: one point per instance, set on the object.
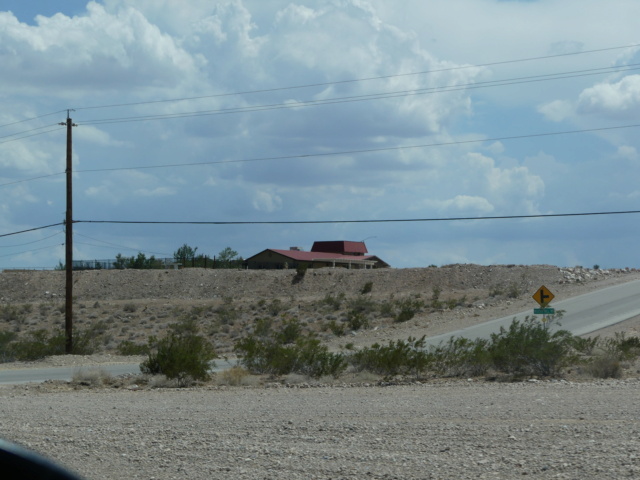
(228, 258)
(184, 253)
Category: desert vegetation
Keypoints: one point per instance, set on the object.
(302, 323)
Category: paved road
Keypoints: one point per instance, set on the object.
(583, 314)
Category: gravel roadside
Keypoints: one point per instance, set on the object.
(459, 430)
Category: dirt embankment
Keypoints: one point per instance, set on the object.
(131, 305)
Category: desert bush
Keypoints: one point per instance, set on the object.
(275, 307)
(408, 308)
(301, 271)
(290, 331)
(530, 348)
(11, 313)
(604, 366)
(338, 329)
(461, 357)
(182, 355)
(362, 305)
(36, 345)
(621, 347)
(130, 307)
(357, 320)
(87, 341)
(585, 346)
(6, 337)
(367, 287)
(396, 358)
(227, 313)
(233, 376)
(288, 351)
(130, 348)
(435, 303)
(513, 291)
(334, 303)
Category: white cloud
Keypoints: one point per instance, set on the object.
(269, 202)
(557, 110)
(468, 205)
(628, 152)
(89, 53)
(155, 192)
(619, 99)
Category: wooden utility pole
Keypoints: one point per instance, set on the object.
(68, 310)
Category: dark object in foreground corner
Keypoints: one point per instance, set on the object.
(17, 463)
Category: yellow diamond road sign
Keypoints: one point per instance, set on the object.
(543, 296)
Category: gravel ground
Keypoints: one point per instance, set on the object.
(461, 430)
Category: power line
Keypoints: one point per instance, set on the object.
(30, 243)
(112, 245)
(364, 79)
(369, 97)
(28, 136)
(361, 151)
(32, 118)
(30, 179)
(31, 230)
(28, 131)
(322, 222)
(30, 251)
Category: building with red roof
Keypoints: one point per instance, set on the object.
(323, 254)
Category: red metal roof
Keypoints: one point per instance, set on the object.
(309, 256)
(341, 246)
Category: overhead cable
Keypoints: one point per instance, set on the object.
(361, 151)
(321, 222)
(366, 97)
(364, 79)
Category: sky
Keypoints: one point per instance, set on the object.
(378, 122)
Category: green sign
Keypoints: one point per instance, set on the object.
(544, 311)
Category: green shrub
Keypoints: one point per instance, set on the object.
(227, 313)
(336, 328)
(334, 303)
(621, 346)
(290, 332)
(604, 366)
(407, 309)
(366, 288)
(130, 308)
(37, 345)
(585, 346)
(183, 354)
(6, 354)
(275, 307)
(461, 357)
(362, 305)
(357, 320)
(129, 348)
(395, 358)
(288, 351)
(436, 304)
(10, 313)
(530, 348)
